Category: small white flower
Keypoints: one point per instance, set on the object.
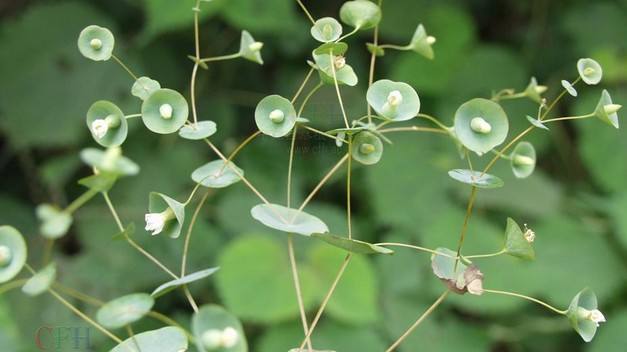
(597, 317)
(229, 337)
(155, 222)
(256, 46)
(395, 98)
(529, 234)
(430, 40)
(339, 62)
(480, 125)
(99, 127)
(611, 108)
(166, 111)
(95, 43)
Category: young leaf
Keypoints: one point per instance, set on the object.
(515, 242)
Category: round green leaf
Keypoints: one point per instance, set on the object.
(421, 42)
(144, 87)
(344, 73)
(168, 339)
(523, 159)
(41, 281)
(352, 245)
(200, 130)
(476, 178)
(326, 29)
(124, 310)
(590, 71)
(367, 148)
(515, 243)
(106, 118)
(396, 101)
(275, 116)
(481, 125)
(250, 49)
(165, 111)
(13, 253)
(215, 329)
(585, 299)
(288, 220)
(96, 43)
(362, 14)
(187, 279)
(110, 161)
(159, 203)
(217, 174)
(601, 113)
(338, 48)
(537, 123)
(54, 222)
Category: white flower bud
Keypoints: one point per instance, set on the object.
(480, 125)
(366, 148)
(95, 44)
(99, 128)
(541, 89)
(5, 255)
(395, 98)
(611, 108)
(430, 40)
(212, 339)
(166, 111)
(256, 46)
(339, 62)
(229, 337)
(523, 160)
(597, 317)
(277, 116)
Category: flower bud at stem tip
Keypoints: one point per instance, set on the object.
(480, 125)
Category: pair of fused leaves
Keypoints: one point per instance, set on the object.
(290, 220)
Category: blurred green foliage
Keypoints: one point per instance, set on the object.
(576, 202)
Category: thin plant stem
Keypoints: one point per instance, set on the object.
(322, 182)
(12, 285)
(506, 293)
(235, 171)
(302, 85)
(124, 67)
(191, 195)
(495, 254)
(435, 121)
(462, 236)
(337, 90)
(48, 249)
(420, 320)
(324, 134)
(132, 116)
(80, 201)
(188, 235)
(289, 167)
(307, 97)
(373, 58)
(220, 58)
(242, 145)
(348, 34)
(133, 243)
(418, 248)
(393, 46)
(559, 97)
(302, 6)
(326, 299)
(348, 190)
(299, 295)
(197, 57)
(413, 128)
(569, 118)
(193, 92)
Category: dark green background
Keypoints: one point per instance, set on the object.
(576, 201)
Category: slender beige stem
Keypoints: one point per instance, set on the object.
(326, 299)
(80, 201)
(235, 171)
(289, 167)
(506, 293)
(78, 295)
(324, 134)
(307, 97)
(462, 235)
(242, 145)
(569, 118)
(413, 128)
(435, 121)
(337, 89)
(12, 285)
(299, 295)
(48, 249)
(220, 58)
(348, 190)
(193, 92)
(495, 254)
(373, 58)
(418, 248)
(302, 85)
(415, 325)
(322, 182)
(124, 67)
(188, 235)
(302, 6)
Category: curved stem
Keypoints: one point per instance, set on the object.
(506, 293)
(302, 6)
(413, 128)
(435, 121)
(188, 235)
(392, 46)
(322, 182)
(324, 134)
(569, 118)
(302, 85)
(373, 58)
(495, 254)
(124, 67)
(337, 89)
(80, 201)
(12, 285)
(462, 236)
(418, 248)
(241, 146)
(326, 299)
(193, 92)
(220, 58)
(132, 116)
(347, 35)
(307, 97)
(420, 320)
